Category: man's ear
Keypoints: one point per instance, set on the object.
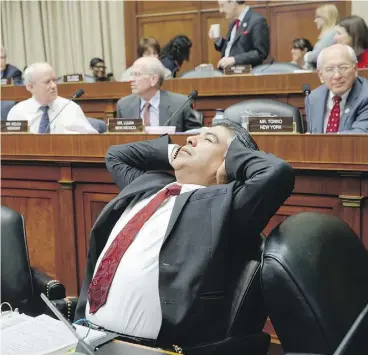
(320, 77)
(29, 87)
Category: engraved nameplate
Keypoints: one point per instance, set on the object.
(5, 82)
(14, 126)
(73, 78)
(125, 125)
(238, 70)
(271, 124)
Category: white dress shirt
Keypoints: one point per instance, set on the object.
(133, 303)
(233, 32)
(153, 110)
(70, 120)
(329, 106)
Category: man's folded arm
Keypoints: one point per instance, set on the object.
(265, 182)
(129, 161)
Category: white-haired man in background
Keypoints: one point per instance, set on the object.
(341, 104)
(45, 111)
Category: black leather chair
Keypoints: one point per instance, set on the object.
(266, 106)
(99, 125)
(315, 284)
(199, 116)
(275, 68)
(5, 108)
(22, 285)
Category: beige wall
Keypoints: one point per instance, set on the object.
(360, 8)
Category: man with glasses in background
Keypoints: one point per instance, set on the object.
(341, 104)
(153, 105)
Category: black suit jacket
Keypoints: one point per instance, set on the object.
(12, 72)
(252, 40)
(207, 228)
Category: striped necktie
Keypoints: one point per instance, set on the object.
(45, 120)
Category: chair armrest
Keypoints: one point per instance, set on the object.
(53, 289)
(66, 306)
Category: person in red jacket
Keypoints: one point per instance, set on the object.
(353, 31)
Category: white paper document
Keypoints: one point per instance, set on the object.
(41, 335)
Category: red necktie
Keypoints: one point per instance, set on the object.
(101, 282)
(146, 114)
(237, 21)
(334, 119)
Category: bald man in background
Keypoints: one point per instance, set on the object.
(46, 112)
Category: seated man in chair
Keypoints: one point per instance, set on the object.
(158, 266)
(153, 105)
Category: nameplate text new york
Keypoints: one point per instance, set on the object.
(271, 125)
(125, 125)
(14, 126)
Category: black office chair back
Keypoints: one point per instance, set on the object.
(99, 125)
(265, 106)
(275, 68)
(204, 73)
(16, 278)
(315, 283)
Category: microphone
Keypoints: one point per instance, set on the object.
(77, 94)
(306, 91)
(193, 95)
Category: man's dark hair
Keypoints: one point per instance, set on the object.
(240, 2)
(239, 131)
(146, 43)
(95, 61)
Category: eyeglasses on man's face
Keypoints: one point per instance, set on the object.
(99, 67)
(341, 69)
(136, 74)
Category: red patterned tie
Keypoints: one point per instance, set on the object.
(334, 119)
(101, 282)
(237, 21)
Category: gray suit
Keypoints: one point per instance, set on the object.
(129, 107)
(354, 119)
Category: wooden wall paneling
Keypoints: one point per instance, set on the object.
(130, 31)
(66, 261)
(90, 199)
(165, 27)
(39, 208)
(164, 7)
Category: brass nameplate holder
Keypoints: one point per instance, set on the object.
(73, 78)
(6, 82)
(271, 125)
(125, 125)
(238, 70)
(14, 126)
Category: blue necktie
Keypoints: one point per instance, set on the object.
(45, 120)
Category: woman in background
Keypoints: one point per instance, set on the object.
(147, 47)
(175, 52)
(299, 47)
(326, 18)
(353, 31)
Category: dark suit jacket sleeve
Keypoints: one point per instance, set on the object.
(219, 44)
(129, 161)
(261, 44)
(264, 182)
(360, 125)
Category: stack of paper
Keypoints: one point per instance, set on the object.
(23, 335)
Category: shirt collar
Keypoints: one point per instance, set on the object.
(155, 101)
(35, 105)
(242, 15)
(343, 96)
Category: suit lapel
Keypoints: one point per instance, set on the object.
(180, 202)
(353, 96)
(242, 26)
(133, 108)
(164, 108)
(320, 106)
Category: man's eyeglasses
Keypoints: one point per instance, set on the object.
(100, 67)
(341, 69)
(138, 74)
